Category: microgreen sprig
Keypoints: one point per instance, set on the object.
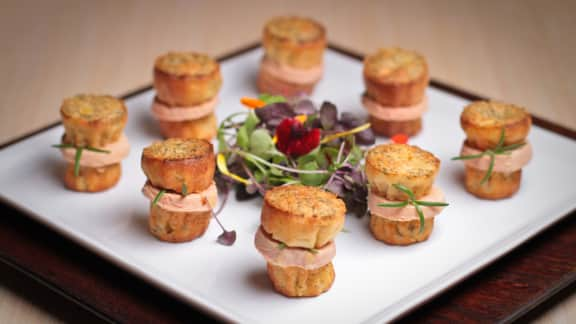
(414, 202)
(78, 154)
(499, 149)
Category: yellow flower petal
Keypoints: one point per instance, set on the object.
(275, 139)
(221, 163)
(345, 133)
(301, 118)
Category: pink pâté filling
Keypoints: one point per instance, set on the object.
(395, 113)
(406, 213)
(192, 202)
(506, 163)
(286, 256)
(118, 151)
(291, 74)
(175, 114)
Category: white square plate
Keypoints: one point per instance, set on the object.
(374, 282)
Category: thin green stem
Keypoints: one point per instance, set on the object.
(489, 171)
(394, 205)
(277, 166)
(158, 196)
(77, 158)
(420, 216)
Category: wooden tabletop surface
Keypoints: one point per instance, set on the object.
(519, 51)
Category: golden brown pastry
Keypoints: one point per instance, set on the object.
(299, 224)
(302, 216)
(293, 60)
(94, 127)
(172, 226)
(396, 80)
(186, 78)
(92, 179)
(93, 120)
(485, 122)
(404, 164)
(180, 187)
(176, 163)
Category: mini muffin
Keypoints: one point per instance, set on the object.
(293, 61)
(294, 41)
(92, 179)
(396, 81)
(180, 186)
(93, 120)
(202, 128)
(302, 216)
(296, 236)
(186, 78)
(299, 282)
(175, 164)
(483, 121)
(396, 77)
(408, 165)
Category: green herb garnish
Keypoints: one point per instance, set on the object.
(281, 245)
(158, 196)
(412, 201)
(184, 189)
(78, 154)
(313, 251)
(77, 158)
(500, 149)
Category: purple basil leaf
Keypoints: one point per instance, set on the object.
(242, 193)
(365, 137)
(227, 238)
(304, 107)
(328, 115)
(278, 110)
(357, 176)
(335, 186)
(316, 123)
(350, 120)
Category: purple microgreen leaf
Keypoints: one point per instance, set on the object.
(278, 110)
(365, 137)
(328, 115)
(350, 120)
(336, 186)
(304, 107)
(227, 238)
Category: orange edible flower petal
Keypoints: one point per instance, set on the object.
(253, 103)
(400, 138)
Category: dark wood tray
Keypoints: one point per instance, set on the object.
(76, 284)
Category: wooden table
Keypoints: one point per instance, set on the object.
(519, 51)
